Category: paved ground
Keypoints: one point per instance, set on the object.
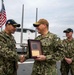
(26, 67)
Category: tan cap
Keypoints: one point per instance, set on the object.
(41, 21)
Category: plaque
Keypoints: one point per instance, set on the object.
(34, 48)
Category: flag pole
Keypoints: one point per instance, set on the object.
(2, 7)
(36, 21)
(21, 39)
(22, 24)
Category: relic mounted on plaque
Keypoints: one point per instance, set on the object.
(34, 48)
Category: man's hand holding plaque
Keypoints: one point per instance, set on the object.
(40, 58)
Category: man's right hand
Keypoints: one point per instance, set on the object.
(22, 58)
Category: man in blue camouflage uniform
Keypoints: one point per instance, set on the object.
(43, 65)
(8, 54)
(68, 62)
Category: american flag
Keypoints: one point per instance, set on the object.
(2, 15)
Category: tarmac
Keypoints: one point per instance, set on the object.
(25, 68)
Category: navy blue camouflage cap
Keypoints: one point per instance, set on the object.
(12, 22)
(68, 30)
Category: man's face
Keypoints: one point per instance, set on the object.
(40, 28)
(11, 28)
(68, 35)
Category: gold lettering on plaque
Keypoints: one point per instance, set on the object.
(35, 52)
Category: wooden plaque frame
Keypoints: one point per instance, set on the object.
(34, 48)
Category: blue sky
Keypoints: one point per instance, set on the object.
(59, 13)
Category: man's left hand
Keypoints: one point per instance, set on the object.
(41, 58)
(68, 60)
